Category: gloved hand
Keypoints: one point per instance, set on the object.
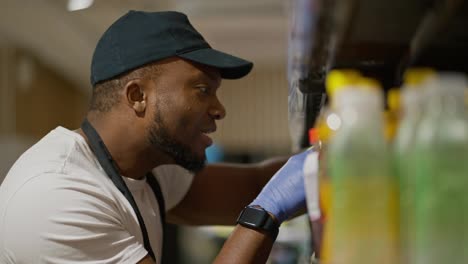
(284, 194)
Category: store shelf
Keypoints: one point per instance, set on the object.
(379, 38)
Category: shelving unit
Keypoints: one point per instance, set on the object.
(379, 38)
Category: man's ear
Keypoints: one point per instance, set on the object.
(135, 95)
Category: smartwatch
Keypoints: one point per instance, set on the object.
(257, 218)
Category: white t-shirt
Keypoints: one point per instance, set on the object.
(57, 205)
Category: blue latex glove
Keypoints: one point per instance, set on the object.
(284, 194)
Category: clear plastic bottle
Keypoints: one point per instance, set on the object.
(363, 218)
(441, 170)
(412, 98)
(327, 124)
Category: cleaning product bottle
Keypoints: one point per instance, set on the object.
(327, 124)
(441, 170)
(363, 218)
(412, 98)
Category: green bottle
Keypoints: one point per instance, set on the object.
(412, 98)
(364, 212)
(441, 170)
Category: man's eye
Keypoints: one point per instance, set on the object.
(203, 89)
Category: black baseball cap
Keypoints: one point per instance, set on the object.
(139, 38)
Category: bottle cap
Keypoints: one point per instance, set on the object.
(414, 77)
(313, 136)
(338, 79)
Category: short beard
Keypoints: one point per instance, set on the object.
(182, 155)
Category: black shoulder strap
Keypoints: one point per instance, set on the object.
(109, 166)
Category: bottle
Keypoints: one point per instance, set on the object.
(311, 184)
(363, 216)
(328, 122)
(441, 174)
(412, 98)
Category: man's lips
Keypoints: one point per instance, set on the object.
(209, 130)
(206, 139)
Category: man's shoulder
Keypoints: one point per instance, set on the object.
(58, 148)
(58, 159)
(61, 151)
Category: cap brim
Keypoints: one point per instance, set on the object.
(230, 67)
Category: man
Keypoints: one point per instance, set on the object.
(86, 195)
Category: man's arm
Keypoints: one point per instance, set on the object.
(220, 191)
(282, 197)
(245, 245)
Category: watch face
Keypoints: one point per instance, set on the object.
(254, 217)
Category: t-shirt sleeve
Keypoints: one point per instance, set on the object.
(63, 220)
(175, 182)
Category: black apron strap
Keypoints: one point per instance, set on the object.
(109, 166)
(154, 184)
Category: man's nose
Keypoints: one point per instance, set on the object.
(217, 111)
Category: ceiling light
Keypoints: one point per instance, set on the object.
(74, 5)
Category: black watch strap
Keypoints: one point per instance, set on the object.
(259, 219)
